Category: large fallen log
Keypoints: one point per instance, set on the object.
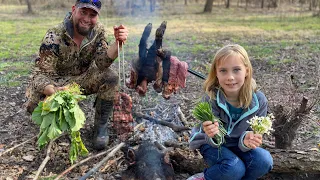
(285, 161)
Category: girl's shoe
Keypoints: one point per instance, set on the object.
(199, 176)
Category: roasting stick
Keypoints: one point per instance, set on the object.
(199, 75)
(121, 70)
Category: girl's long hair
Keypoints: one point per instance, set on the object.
(212, 83)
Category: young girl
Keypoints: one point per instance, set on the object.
(232, 93)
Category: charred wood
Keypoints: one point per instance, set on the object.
(286, 125)
(164, 123)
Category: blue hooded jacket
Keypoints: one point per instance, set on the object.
(236, 131)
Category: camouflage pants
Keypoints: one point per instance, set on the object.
(93, 81)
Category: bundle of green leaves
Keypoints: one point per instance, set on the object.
(60, 113)
(203, 112)
(261, 125)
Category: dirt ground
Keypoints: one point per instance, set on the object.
(17, 126)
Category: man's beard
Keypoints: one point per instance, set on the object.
(82, 31)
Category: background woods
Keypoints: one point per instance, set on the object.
(311, 5)
(282, 40)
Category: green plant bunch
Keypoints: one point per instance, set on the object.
(60, 113)
(261, 125)
(203, 112)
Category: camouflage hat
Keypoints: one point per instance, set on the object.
(92, 4)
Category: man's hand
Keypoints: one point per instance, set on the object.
(211, 129)
(51, 89)
(120, 33)
(252, 140)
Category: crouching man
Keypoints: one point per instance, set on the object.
(77, 51)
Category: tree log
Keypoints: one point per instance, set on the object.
(285, 161)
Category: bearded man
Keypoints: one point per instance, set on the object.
(77, 51)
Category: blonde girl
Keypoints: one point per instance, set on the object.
(232, 93)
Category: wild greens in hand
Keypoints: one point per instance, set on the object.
(60, 113)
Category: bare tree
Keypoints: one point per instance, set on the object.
(30, 11)
(227, 3)
(208, 6)
(152, 5)
(143, 3)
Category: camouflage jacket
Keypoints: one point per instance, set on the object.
(60, 59)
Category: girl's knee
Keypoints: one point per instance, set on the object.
(267, 162)
(235, 170)
(263, 160)
(227, 170)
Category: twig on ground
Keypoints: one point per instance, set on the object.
(44, 162)
(181, 145)
(112, 162)
(181, 116)
(89, 158)
(159, 146)
(81, 162)
(114, 150)
(95, 168)
(11, 149)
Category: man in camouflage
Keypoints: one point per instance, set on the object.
(77, 51)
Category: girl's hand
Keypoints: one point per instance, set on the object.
(210, 128)
(252, 140)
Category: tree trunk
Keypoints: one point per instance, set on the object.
(285, 126)
(186, 2)
(208, 6)
(284, 161)
(143, 3)
(262, 4)
(30, 11)
(247, 2)
(128, 4)
(152, 5)
(227, 3)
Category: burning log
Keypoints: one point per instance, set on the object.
(164, 123)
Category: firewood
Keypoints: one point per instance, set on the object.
(164, 123)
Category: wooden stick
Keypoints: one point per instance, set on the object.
(44, 162)
(11, 149)
(164, 123)
(95, 168)
(81, 162)
(113, 161)
(181, 116)
(181, 145)
(89, 158)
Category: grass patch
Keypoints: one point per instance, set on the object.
(13, 72)
(190, 35)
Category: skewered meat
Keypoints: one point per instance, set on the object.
(156, 65)
(122, 117)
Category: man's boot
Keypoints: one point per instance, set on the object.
(101, 135)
